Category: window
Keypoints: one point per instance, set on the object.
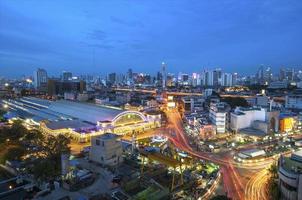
(97, 142)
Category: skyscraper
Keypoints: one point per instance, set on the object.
(264, 76)
(130, 75)
(112, 78)
(66, 76)
(226, 79)
(234, 78)
(40, 78)
(164, 75)
(217, 73)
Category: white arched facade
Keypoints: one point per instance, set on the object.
(141, 115)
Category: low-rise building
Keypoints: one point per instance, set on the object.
(244, 117)
(288, 122)
(294, 100)
(81, 120)
(106, 149)
(278, 85)
(193, 104)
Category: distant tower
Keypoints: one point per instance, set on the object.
(40, 78)
(164, 75)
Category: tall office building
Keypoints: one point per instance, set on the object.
(289, 74)
(217, 74)
(40, 78)
(234, 78)
(227, 79)
(59, 87)
(66, 76)
(164, 74)
(112, 78)
(264, 76)
(129, 75)
(196, 79)
(212, 77)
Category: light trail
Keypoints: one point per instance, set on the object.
(256, 187)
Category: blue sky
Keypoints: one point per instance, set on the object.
(97, 37)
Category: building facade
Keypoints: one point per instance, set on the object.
(40, 79)
(219, 116)
(106, 150)
(244, 117)
(293, 101)
(290, 176)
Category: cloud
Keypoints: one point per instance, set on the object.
(126, 22)
(101, 46)
(97, 35)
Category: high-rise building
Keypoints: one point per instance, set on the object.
(112, 78)
(66, 76)
(164, 74)
(234, 78)
(227, 79)
(40, 79)
(170, 81)
(289, 74)
(59, 87)
(217, 74)
(129, 78)
(264, 76)
(207, 77)
(196, 79)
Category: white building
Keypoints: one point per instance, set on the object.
(219, 116)
(244, 117)
(227, 79)
(40, 78)
(106, 149)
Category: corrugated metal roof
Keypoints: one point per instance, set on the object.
(83, 111)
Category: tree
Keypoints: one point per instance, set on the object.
(14, 153)
(273, 170)
(220, 197)
(235, 101)
(43, 170)
(16, 131)
(272, 183)
(34, 137)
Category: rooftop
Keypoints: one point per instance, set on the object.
(290, 165)
(41, 109)
(85, 111)
(73, 124)
(107, 136)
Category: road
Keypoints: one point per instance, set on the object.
(153, 91)
(256, 188)
(235, 185)
(232, 182)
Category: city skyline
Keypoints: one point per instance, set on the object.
(105, 37)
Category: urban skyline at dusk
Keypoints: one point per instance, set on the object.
(89, 38)
(150, 100)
